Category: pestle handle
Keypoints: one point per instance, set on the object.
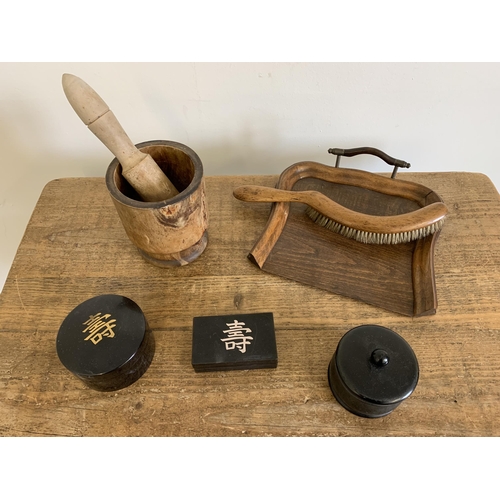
(139, 168)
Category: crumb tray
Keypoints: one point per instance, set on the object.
(398, 277)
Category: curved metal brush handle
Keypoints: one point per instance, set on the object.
(371, 151)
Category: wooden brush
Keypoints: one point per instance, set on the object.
(361, 227)
(140, 170)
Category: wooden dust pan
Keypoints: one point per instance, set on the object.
(352, 232)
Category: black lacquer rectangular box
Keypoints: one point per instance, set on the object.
(234, 342)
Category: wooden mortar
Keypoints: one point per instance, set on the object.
(172, 232)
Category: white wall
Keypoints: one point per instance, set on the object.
(244, 118)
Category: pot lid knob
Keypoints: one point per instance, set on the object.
(379, 358)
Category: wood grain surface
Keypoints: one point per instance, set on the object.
(75, 247)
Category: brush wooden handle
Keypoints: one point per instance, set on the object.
(393, 224)
(140, 170)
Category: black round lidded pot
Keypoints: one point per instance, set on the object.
(106, 342)
(372, 371)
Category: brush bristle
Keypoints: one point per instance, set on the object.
(373, 238)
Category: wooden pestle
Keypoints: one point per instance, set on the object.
(140, 170)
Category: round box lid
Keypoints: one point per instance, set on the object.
(372, 371)
(106, 342)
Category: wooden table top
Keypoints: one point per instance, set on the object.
(75, 247)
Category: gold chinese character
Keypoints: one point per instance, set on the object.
(99, 328)
(236, 337)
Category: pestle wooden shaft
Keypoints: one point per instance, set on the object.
(140, 169)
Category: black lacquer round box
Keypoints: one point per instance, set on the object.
(106, 342)
(372, 371)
